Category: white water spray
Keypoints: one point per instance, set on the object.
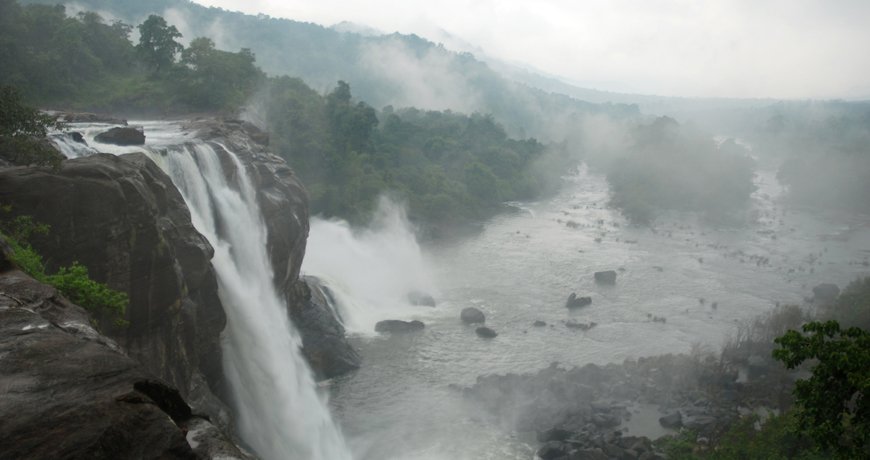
(372, 271)
(278, 411)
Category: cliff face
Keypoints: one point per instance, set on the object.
(284, 204)
(123, 219)
(70, 392)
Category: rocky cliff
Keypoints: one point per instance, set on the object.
(70, 392)
(126, 222)
(284, 204)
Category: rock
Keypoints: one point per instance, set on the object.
(605, 277)
(589, 454)
(825, 292)
(571, 324)
(673, 420)
(700, 423)
(485, 332)
(577, 302)
(471, 315)
(77, 137)
(395, 326)
(539, 323)
(123, 219)
(324, 343)
(122, 136)
(421, 299)
(554, 434)
(552, 450)
(70, 392)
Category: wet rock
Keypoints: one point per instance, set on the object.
(395, 326)
(553, 450)
(77, 137)
(605, 277)
(577, 302)
(485, 332)
(421, 299)
(324, 343)
(122, 136)
(825, 292)
(70, 392)
(672, 421)
(123, 219)
(554, 434)
(471, 315)
(539, 323)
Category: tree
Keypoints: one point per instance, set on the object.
(832, 405)
(157, 45)
(23, 130)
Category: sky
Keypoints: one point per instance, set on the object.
(816, 49)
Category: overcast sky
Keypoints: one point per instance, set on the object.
(737, 48)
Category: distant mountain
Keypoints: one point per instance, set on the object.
(397, 70)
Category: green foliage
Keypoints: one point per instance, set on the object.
(157, 45)
(749, 438)
(23, 130)
(667, 166)
(832, 405)
(450, 168)
(73, 282)
(78, 287)
(82, 62)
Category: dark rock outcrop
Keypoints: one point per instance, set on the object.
(421, 299)
(577, 302)
(395, 326)
(323, 337)
(69, 392)
(284, 204)
(124, 220)
(126, 135)
(673, 420)
(485, 332)
(471, 315)
(605, 277)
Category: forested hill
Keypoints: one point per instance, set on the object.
(397, 70)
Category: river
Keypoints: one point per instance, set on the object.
(521, 268)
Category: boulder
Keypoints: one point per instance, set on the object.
(577, 302)
(324, 343)
(125, 135)
(539, 323)
(70, 392)
(554, 434)
(485, 332)
(471, 315)
(552, 450)
(673, 420)
(605, 277)
(825, 292)
(421, 299)
(395, 326)
(77, 137)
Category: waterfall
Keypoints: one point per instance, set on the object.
(278, 411)
(372, 271)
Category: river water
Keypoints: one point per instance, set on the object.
(522, 267)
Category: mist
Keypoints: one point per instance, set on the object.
(504, 231)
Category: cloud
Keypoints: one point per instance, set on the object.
(745, 48)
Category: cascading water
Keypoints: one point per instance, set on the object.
(278, 411)
(370, 272)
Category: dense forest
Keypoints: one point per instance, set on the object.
(450, 168)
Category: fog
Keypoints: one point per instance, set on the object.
(546, 230)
